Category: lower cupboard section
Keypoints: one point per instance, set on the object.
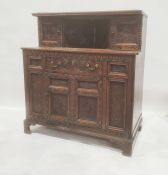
(95, 101)
(80, 99)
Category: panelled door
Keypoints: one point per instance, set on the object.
(116, 103)
(37, 101)
(75, 99)
(88, 100)
(59, 96)
(118, 98)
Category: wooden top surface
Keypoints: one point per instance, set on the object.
(91, 13)
(83, 50)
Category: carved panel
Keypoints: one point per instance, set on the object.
(59, 97)
(52, 34)
(73, 63)
(59, 104)
(37, 93)
(87, 108)
(125, 30)
(57, 62)
(78, 56)
(88, 100)
(126, 33)
(117, 103)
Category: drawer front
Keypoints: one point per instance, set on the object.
(117, 68)
(120, 66)
(73, 64)
(35, 61)
(81, 64)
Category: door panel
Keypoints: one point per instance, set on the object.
(59, 104)
(87, 108)
(37, 105)
(116, 104)
(88, 101)
(37, 96)
(59, 97)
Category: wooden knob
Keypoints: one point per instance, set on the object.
(92, 68)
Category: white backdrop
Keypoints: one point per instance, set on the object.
(19, 29)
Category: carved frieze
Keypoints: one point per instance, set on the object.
(76, 63)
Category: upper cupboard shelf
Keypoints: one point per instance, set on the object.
(118, 30)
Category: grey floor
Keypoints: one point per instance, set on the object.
(48, 152)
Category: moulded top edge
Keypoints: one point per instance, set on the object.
(83, 50)
(94, 13)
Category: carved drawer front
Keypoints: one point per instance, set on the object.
(89, 66)
(88, 101)
(73, 64)
(35, 62)
(54, 63)
(58, 97)
(51, 34)
(118, 68)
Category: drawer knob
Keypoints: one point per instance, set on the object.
(58, 63)
(92, 68)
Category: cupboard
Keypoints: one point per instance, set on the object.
(86, 76)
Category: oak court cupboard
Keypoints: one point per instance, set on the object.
(86, 76)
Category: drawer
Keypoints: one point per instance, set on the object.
(118, 68)
(35, 62)
(73, 64)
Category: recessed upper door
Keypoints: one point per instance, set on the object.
(50, 32)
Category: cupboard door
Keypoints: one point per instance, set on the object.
(58, 97)
(36, 94)
(88, 101)
(50, 32)
(116, 104)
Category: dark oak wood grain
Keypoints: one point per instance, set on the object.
(87, 75)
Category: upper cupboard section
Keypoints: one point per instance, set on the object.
(120, 31)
